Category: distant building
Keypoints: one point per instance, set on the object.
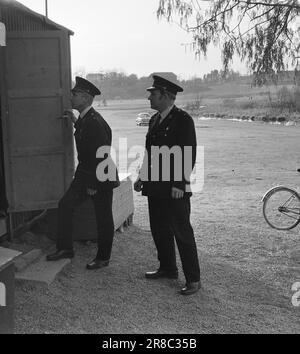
(95, 77)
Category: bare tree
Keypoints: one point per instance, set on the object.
(265, 34)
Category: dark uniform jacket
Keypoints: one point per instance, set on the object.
(92, 132)
(177, 129)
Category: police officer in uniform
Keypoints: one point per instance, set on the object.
(169, 198)
(91, 133)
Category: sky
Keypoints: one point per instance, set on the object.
(125, 35)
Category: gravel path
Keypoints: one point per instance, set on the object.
(118, 299)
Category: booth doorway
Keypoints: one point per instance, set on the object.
(3, 199)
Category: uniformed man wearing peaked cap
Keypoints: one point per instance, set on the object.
(169, 198)
(84, 85)
(91, 133)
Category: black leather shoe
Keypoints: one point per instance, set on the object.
(97, 264)
(3, 214)
(190, 288)
(161, 274)
(60, 255)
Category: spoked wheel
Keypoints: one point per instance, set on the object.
(281, 208)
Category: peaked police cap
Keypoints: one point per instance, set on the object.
(84, 85)
(161, 83)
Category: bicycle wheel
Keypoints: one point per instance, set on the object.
(281, 208)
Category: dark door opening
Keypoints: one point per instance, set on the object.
(3, 199)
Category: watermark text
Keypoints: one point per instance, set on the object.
(2, 295)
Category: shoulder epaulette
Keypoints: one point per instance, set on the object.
(95, 116)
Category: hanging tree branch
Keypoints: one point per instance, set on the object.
(264, 34)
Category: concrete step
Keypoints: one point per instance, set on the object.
(26, 259)
(41, 271)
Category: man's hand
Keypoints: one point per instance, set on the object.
(177, 193)
(91, 192)
(69, 114)
(138, 184)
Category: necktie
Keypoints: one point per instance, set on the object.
(159, 118)
(156, 122)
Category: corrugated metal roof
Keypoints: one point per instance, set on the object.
(18, 17)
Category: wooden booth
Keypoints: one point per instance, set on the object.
(36, 148)
(36, 145)
(35, 80)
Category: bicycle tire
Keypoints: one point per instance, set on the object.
(277, 199)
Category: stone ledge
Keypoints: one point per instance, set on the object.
(26, 259)
(7, 255)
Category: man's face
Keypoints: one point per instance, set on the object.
(156, 99)
(78, 99)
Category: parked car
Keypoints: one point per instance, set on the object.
(143, 118)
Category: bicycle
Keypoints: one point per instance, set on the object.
(281, 207)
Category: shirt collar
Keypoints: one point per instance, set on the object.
(164, 113)
(84, 112)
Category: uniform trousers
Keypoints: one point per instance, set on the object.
(102, 200)
(169, 218)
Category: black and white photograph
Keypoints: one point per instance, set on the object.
(149, 170)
